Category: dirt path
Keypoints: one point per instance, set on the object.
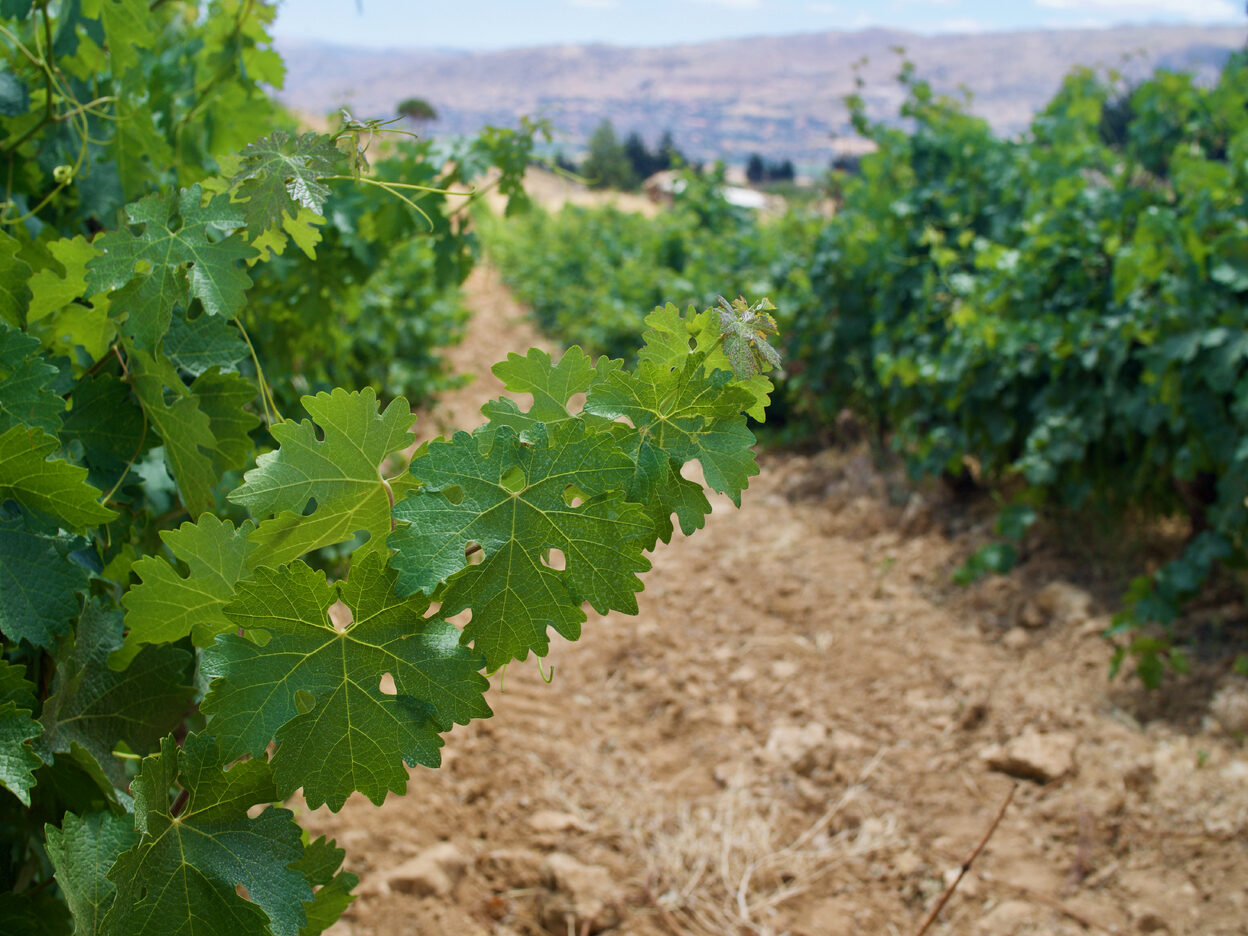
(791, 738)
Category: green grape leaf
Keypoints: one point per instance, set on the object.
(281, 173)
(182, 247)
(97, 707)
(82, 851)
(18, 760)
(127, 28)
(181, 877)
(341, 473)
(40, 584)
(320, 864)
(186, 429)
(166, 606)
(223, 398)
(48, 487)
(686, 415)
(14, 282)
(15, 687)
(26, 394)
(513, 500)
(33, 913)
(107, 422)
(316, 689)
(51, 290)
(206, 341)
(149, 303)
(670, 338)
(552, 385)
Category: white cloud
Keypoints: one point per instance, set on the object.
(962, 24)
(1190, 9)
(734, 4)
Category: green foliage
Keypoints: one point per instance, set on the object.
(169, 668)
(1067, 309)
(588, 273)
(607, 163)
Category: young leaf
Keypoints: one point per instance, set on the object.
(316, 689)
(281, 173)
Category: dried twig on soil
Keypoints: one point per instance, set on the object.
(966, 865)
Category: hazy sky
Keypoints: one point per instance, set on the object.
(489, 24)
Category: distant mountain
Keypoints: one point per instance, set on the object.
(780, 96)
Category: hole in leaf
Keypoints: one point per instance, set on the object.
(554, 559)
(304, 701)
(142, 267)
(387, 686)
(693, 344)
(174, 224)
(340, 615)
(310, 507)
(573, 496)
(461, 619)
(454, 494)
(513, 479)
(474, 554)
(434, 608)
(242, 892)
(576, 402)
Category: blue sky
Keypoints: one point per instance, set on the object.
(492, 24)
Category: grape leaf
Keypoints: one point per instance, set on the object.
(745, 329)
(18, 760)
(33, 913)
(165, 606)
(205, 341)
(316, 689)
(48, 487)
(552, 385)
(341, 473)
(320, 865)
(40, 585)
(82, 851)
(107, 423)
(281, 173)
(184, 260)
(14, 280)
(671, 337)
(51, 290)
(96, 707)
(185, 428)
(222, 397)
(685, 414)
(180, 878)
(26, 394)
(127, 27)
(513, 500)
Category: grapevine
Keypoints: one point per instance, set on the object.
(176, 519)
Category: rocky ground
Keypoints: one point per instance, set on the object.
(806, 731)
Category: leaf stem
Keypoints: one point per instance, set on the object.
(266, 394)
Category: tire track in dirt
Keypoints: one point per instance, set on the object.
(788, 739)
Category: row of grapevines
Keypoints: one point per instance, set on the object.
(1066, 309)
(585, 272)
(168, 669)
